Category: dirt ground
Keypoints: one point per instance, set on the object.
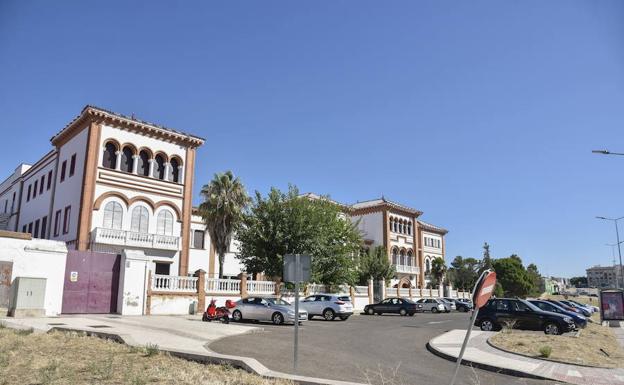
(596, 345)
(70, 358)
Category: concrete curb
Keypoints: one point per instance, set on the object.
(246, 363)
(490, 368)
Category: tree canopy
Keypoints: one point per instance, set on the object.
(287, 223)
(512, 276)
(463, 272)
(374, 263)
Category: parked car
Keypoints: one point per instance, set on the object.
(460, 305)
(581, 309)
(328, 306)
(563, 305)
(275, 310)
(434, 305)
(402, 306)
(450, 302)
(579, 320)
(591, 308)
(523, 315)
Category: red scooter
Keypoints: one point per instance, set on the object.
(214, 313)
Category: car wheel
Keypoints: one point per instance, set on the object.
(403, 312)
(277, 318)
(487, 325)
(344, 317)
(465, 309)
(237, 316)
(551, 328)
(329, 315)
(434, 310)
(370, 311)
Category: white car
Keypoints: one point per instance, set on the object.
(434, 305)
(274, 310)
(328, 306)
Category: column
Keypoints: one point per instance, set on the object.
(243, 285)
(135, 163)
(118, 160)
(180, 174)
(151, 167)
(371, 296)
(352, 294)
(382, 283)
(167, 171)
(201, 292)
(410, 291)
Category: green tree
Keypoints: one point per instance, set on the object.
(512, 276)
(578, 281)
(463, 272)
(225, 199)
(286, 223)
(536, 280)
(486, 262)
(438, 270)
(374, 263)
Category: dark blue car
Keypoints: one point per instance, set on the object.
(579, 320)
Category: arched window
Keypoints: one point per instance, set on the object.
(164, 223)
(109, 160)
(395, 256)
(427, 266)
(175, 171)
(159, 168)
(140, 220)
(113, 216)
(403, 258)
(143, 166)
(409, 228)
(396, 225)
(127, 161)
(410, 258)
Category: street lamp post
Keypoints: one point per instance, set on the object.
(617, 234)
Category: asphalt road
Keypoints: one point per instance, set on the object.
(386, 349)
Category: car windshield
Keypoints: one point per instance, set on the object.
(529, 305)
(277, 301)
(345, 299)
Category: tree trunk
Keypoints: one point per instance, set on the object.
(221, 260)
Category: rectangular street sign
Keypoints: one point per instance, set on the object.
(290, 271)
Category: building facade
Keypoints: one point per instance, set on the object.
(603, 277)
(111, 182)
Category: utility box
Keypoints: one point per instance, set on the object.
(27, 297)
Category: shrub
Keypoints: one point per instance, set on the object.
(151, 350)
(545, 351)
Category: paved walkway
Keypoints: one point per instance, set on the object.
(182, 336)
(480, 353)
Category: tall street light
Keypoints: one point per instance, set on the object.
(617, 234)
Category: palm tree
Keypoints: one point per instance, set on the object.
(225, 199)
(438, 270)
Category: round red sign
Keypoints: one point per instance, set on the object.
(485, 290)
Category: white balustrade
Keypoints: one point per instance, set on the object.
(407, 269)
(218, 285)
(130, 238)
(260, 287)
(174, 283)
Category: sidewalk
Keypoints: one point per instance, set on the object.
(482, 355)
(181, 336)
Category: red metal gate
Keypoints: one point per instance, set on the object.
(91, 282)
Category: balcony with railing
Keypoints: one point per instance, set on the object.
(407, 269)
(133, 239)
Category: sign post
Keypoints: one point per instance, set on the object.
(296, 270)
(481, 293)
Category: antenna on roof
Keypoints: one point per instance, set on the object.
(133, 118)
(383, 198)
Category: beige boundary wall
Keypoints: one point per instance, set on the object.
(170, 295)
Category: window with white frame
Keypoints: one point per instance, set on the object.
(113, 216)
(164, 223)
(139, 222)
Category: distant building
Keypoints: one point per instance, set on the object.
(603, 276)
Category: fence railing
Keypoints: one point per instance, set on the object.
(174, 283)
(260, 287)
(218, 285)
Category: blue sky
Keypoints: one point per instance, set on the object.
(482, 114)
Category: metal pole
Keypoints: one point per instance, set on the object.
(617, 234)
(463, 348)
(297, 278)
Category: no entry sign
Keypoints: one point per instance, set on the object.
(485, 288)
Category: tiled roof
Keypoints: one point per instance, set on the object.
(430, 227)
(383, 201)
(92, 108)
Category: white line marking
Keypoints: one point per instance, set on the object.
(438, 322)
(574, 373)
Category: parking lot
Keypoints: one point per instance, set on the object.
(387, 349)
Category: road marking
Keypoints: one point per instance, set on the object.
(574, 373)
(438, 322)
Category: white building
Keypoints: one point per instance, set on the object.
(112, 182)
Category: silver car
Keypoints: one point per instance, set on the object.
(434, 305)
(449, 302)
(275, 310)
(328, 306)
